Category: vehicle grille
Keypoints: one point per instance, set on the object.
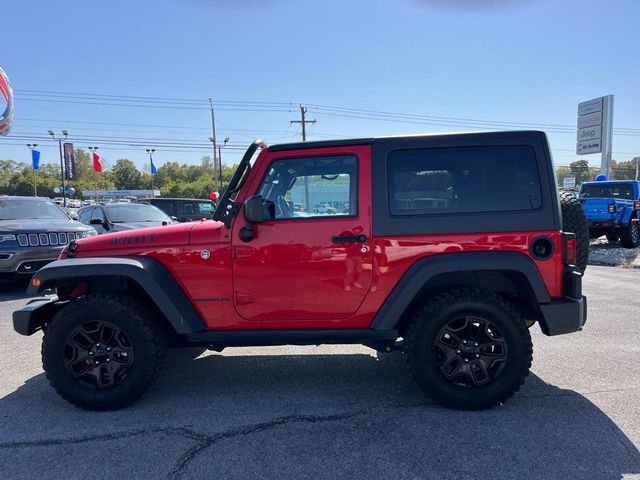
(47, 239)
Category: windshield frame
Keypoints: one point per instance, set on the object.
(227, 206)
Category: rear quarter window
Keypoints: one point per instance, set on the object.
(463, 180)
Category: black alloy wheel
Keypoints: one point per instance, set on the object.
(470, 351)
(98, 355)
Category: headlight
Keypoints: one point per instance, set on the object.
(89, 233)
(7, 238)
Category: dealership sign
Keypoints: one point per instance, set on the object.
(594, 125)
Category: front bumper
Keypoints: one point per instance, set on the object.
(30, 318)
(27, 261)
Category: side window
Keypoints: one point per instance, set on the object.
(166, 206)
(84, 215)
(312, 186)
(205, 209)
(463, 180)
(97, 214)
(186, 208)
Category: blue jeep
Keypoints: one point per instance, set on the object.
(612, 209)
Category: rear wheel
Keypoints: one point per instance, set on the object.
(103, 351)
(468, 349)
(630, 236)
(574, 220)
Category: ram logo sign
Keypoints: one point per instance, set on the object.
(6, 93)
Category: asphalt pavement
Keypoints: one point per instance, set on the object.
(339, 411)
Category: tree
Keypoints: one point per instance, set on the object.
(580, 169)
(125, 175)
(623, 170)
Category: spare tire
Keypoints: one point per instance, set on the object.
(575, 221)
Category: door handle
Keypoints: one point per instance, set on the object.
(349, 239)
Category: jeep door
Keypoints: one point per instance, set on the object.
(304, 263)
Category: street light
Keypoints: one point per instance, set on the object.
(153, 187)
(95, 178)
(32, 147)
(64, 183)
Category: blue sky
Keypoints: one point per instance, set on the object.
(521, 61)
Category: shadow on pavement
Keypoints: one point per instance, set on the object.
(311, 416)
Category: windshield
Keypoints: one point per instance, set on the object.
(611, 190)
(136, 213)
(17, 209)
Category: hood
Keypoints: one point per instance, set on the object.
(147, 238)
(41, 225)
(119, 227)
(209, 231)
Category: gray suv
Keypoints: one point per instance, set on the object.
(33, 231)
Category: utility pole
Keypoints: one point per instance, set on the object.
(226, 140)
(303, 123)
(637, 161)
(217, 166)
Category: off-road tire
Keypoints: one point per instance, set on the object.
(613, 237)
(574, 220)
(427, 321)
(148, 340)
(630, 236)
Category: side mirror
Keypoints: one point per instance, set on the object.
(253, 209)
(253, 213)
(174, 218)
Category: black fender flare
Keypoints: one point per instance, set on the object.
(148, 272)
(427, 268)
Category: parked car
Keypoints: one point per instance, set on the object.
(183, 209)
(118, 217)
(73, 214)
(613, 209)
(33, 231)
(58, 201)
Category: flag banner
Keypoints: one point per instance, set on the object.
(69, 161)
(6, 115)
(153, 167)
(35, 159)
(97, 164)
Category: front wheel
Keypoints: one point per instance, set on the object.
(103, 351)
(630, 236)
(468, 349)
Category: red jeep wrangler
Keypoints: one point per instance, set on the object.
(447, 247)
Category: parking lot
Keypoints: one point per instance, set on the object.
(339, 412)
